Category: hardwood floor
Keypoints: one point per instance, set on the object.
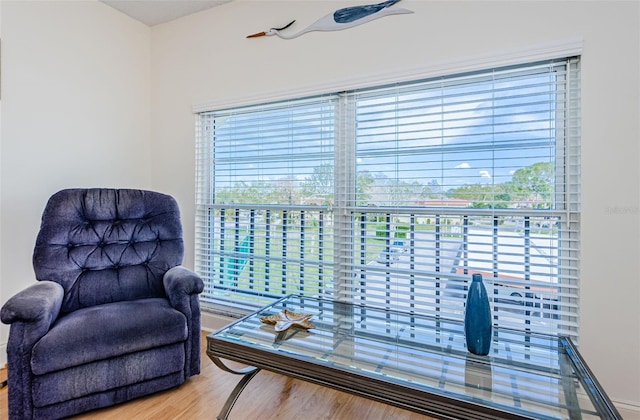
(268, 396)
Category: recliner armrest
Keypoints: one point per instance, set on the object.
(38, 303)
(180, 283)
(182, 287)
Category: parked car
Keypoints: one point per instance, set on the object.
(390, 257)
(398, 246)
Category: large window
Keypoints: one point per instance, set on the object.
(392, 196)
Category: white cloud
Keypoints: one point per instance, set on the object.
(485, 174)
(463, 165)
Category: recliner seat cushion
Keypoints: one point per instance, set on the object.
(106, 331)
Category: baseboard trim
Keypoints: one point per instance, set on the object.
(210, 321)
(3, 376)
(629, 410)
(3, 354)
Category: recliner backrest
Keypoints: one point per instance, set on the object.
(108, 245)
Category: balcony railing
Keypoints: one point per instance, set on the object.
(410, 259)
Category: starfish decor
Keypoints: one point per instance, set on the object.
(287, 319)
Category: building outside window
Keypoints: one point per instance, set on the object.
(394, 195)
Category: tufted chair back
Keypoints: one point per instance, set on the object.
(108, 245)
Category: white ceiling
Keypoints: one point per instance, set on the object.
(154, 12)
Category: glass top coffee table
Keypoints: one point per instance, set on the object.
(415, 362)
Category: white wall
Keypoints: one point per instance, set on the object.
(3, 356)
(75, 113)
(76, 95)
(206, 57)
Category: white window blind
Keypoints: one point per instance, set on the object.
(392, 196)
(265, 178)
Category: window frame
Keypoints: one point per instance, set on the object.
(347, 151)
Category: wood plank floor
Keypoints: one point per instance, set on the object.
(268, 396)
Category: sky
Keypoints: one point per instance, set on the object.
(475, 129)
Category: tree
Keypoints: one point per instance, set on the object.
(534, 184)
(363, 188)
(433, 189)
(388, 191)
(282, 191)
(531, 186)
(320, 183)
(483, 195)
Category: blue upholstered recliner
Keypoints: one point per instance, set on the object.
(113, 316)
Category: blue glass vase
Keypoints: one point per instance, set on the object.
(477, 318)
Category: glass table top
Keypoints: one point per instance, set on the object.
(525, 374)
